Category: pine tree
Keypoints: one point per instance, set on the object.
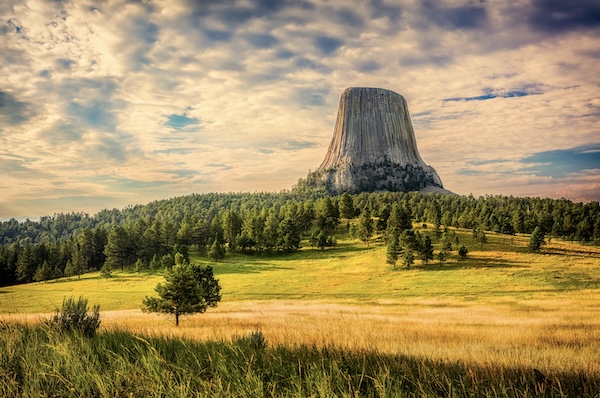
(139, 265)
(217, 251)
(25, 267)
(426, 252)
(327, 215)
(69, 269)
(57, 273)
(188, 289)
(167, 261)
(78, 262)
(106, 271)
(462, 252)
(408, 259)
(392, 250)
(399, 220)
(324, 240)
(119, 248)
(232, 227)
(179, 258)
(346, 206)
(43, 273)
(155, 263)
(289, 235)
(537, 240)
(365, 226)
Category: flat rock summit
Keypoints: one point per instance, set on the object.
(373, 148)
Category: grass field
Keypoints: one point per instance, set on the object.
(502, 306)
(499, 271)
(41, 361)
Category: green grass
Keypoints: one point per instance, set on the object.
(350, 272)
(338, 322)
(37, 361)
(124, 290)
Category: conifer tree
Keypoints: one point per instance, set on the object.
(118, 250)
(537, 240)
(462, 252)
(155, 263)
(365, 226)
(346, 206)
(217, 251)
(408, 258)
(69, 269)
(188, 289)
(392, 250)
(426, 252)
(43, 273)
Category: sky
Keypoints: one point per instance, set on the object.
(110, 103)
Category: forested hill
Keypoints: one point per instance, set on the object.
(559, 218)
(59, 227)
(152, 235)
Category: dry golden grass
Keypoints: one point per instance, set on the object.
(503, 306)
(552, 336)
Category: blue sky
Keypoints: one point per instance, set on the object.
(109, 103)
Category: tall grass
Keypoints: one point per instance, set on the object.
(38, 361)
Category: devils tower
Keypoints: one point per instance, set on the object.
(373, 148)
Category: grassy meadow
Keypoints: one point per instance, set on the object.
(502, 311)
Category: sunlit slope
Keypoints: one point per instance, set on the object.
(352, 272)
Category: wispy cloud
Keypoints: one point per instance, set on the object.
(123, 102)
(562, 162)
(491, 93)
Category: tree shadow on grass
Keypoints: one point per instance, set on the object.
(471, 263)
(568, 251)
(339, 251)
(306, 253)
(253, 267)
(260, 262)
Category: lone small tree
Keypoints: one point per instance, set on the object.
(188, 289)
(537, 240)
(106, 270)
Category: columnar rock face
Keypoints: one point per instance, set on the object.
(373, 147)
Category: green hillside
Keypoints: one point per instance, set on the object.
(501, 269)
(333, 322)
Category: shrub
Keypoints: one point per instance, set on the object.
(74, 317)
(462, 252)
(255, 341)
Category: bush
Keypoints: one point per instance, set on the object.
(462, 252)
(74, 317)
(255, 341)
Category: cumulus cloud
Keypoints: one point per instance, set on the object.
(123, 102)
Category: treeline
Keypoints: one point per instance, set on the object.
(264, 226)
(153, 235)
(560, 218)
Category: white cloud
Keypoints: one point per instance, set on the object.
(88, 89)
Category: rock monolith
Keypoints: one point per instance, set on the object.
(373, 148)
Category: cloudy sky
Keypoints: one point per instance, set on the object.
(107, 103)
